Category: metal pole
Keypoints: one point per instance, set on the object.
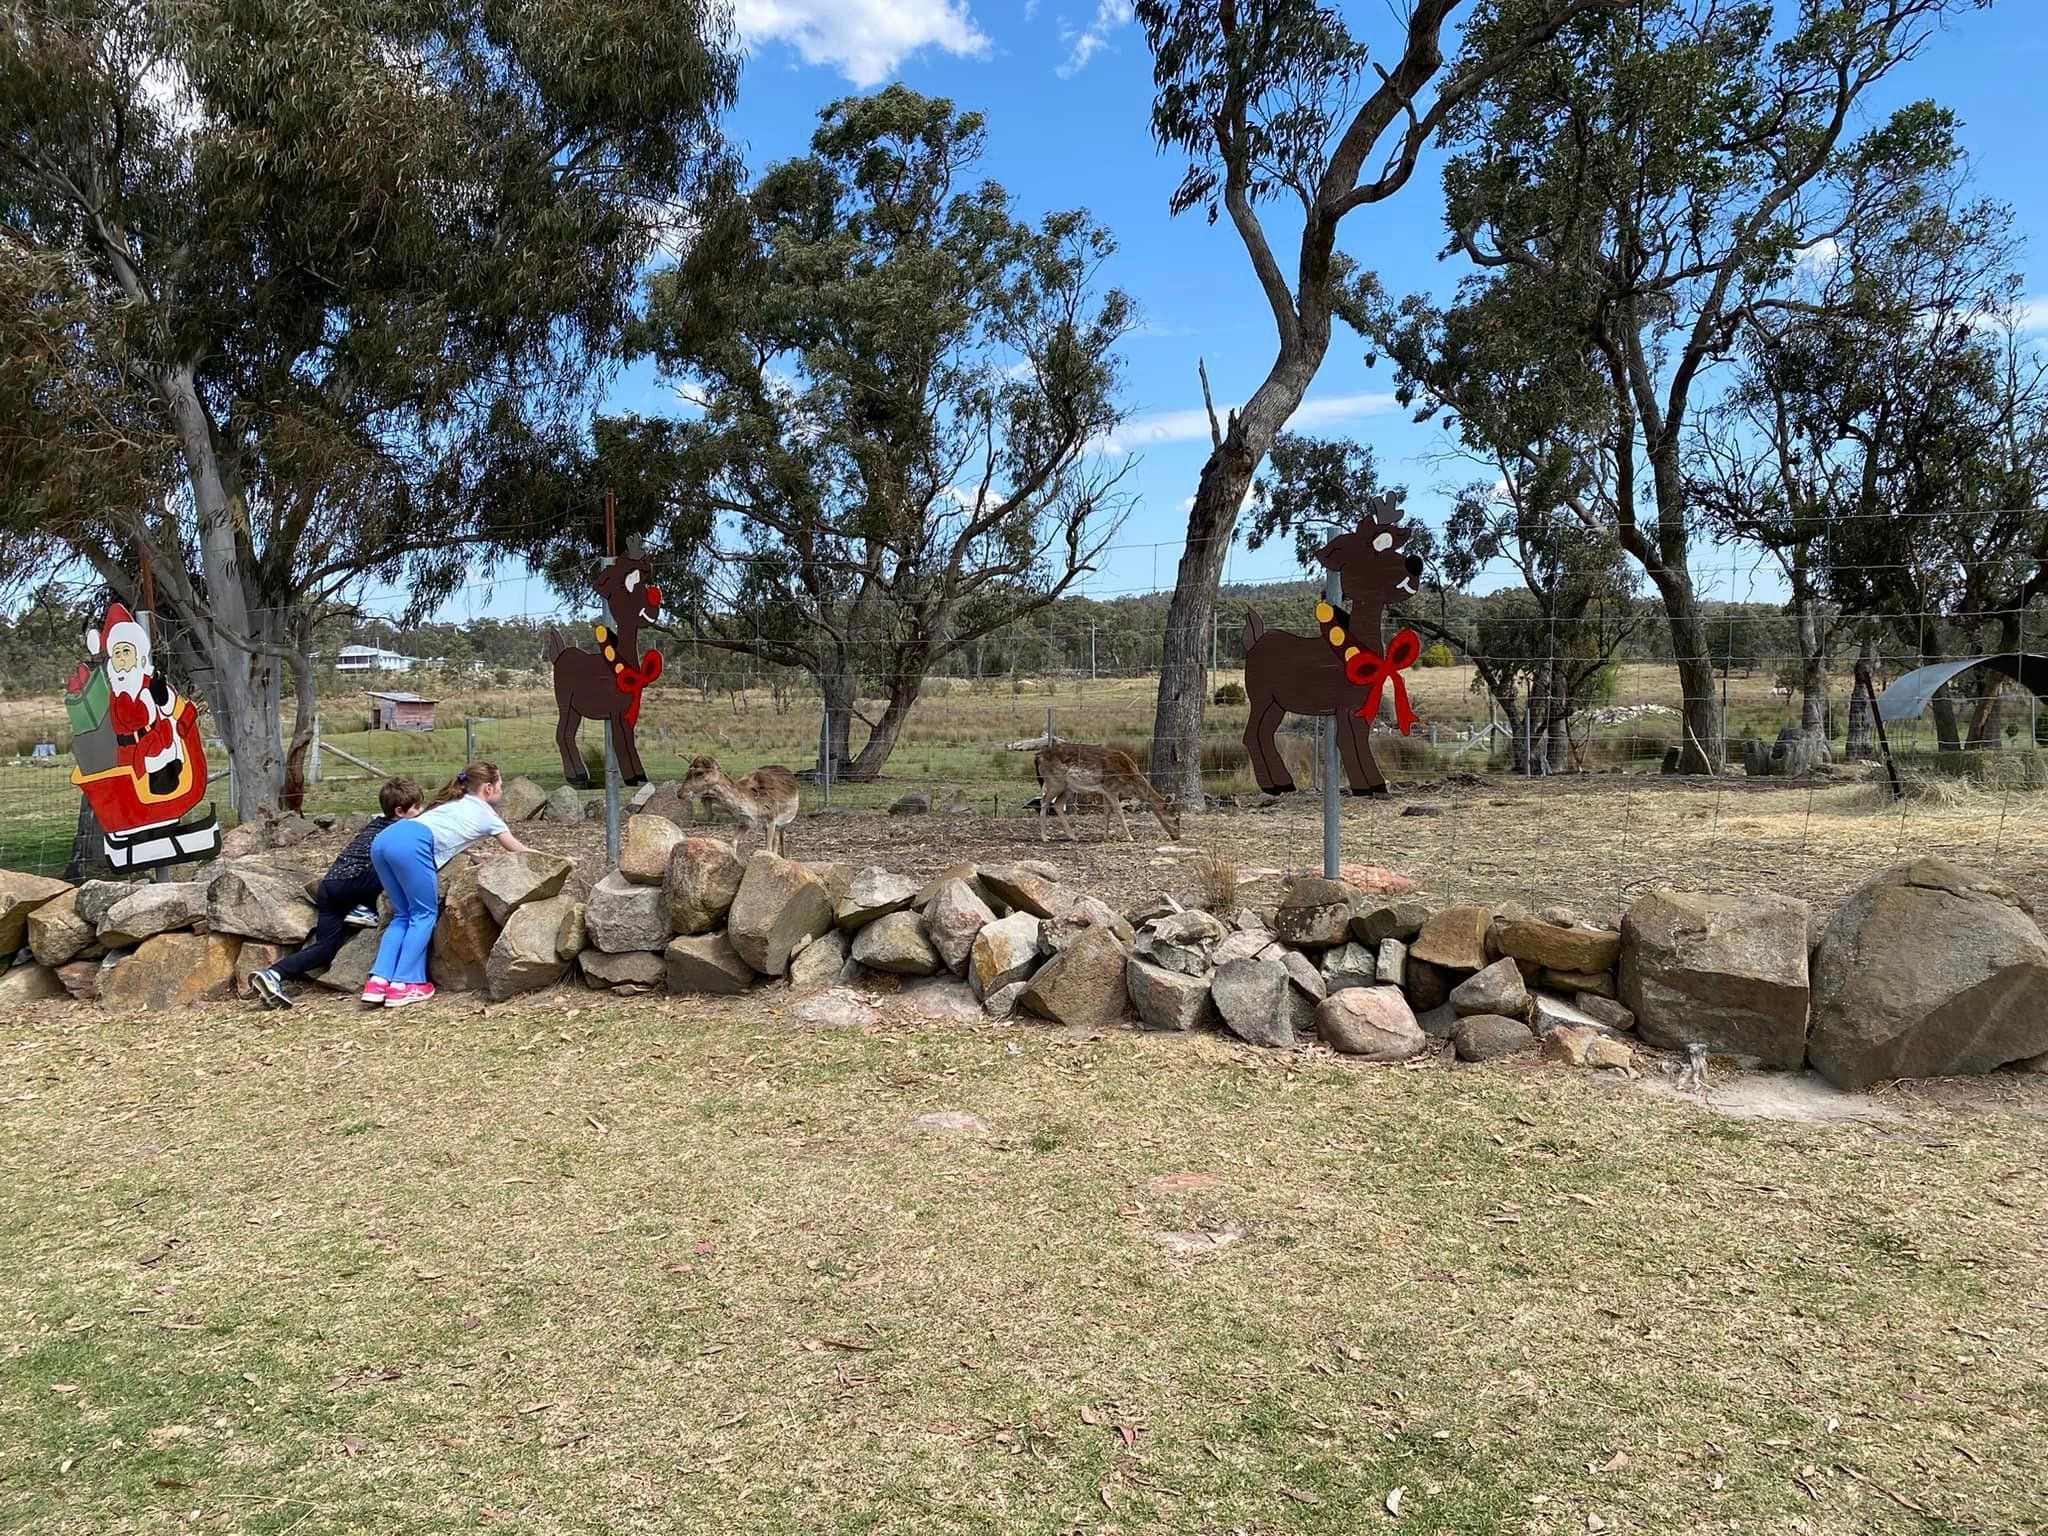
(1049, 737)
(611, 800)
(468, 739)
(825, 754)
(1333, 593)
(1091, 653)
(313, 768)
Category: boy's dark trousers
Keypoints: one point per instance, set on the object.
(332, 900)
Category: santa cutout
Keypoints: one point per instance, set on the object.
(142, 706)
(140, 759)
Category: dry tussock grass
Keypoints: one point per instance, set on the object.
(576, 1267)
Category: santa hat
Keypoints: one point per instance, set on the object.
(120, 626)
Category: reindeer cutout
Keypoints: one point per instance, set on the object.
(606, 684)
(1342, 671)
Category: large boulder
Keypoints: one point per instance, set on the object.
(20, 895)
(1930, 970)
(96, 898)
(148, 910)
(1373, 1022)
(703, 877)
(1168, 999)
(644, 848)
(1454, 938)
(1350, 964)
(530, 952)
(30, 984)
(837, 875)
(639, 969)
(1075, 913)
(896, 944)
(873, 893)
(779, 902)
(622, 917)
(1724, 972)
(508, 881)
(459, 958)
(1496, 989)
(1315, 913)
(1021, 889)
(172, 970)
(1553, 946)
(952, 918)
(243, 900)
(706, 962)
(1083, 984)
(57, 934)
(1376, 922)
(80, 979)
(521, 799)
(1259, 1002)
(820, 963)
(564, 806)
(1005, 951)
(1485, 1036)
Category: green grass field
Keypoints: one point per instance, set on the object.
(642, 1266)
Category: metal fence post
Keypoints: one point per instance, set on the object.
(469, 740)
(1333, 593)
(313, 767)
(611, 800)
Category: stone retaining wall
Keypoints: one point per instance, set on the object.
(1928, 970)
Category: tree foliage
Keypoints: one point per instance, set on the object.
(902, 383)
(288, 278)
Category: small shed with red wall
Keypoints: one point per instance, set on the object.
(401, 712)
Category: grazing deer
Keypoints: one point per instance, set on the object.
(1340, 672)
(765, 798)
(1072, 769)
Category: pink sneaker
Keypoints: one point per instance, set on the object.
(405, 994)
(376, 989)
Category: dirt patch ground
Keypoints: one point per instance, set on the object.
(1591, 842)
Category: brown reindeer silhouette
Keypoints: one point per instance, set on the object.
(605, 684)
(1342, 671)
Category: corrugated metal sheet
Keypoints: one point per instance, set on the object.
(1909, 695)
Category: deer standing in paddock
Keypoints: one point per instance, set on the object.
(764, 799)
(1069, 768)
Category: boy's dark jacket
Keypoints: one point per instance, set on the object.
(353, 865)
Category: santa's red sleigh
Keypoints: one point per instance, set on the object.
(141, 813)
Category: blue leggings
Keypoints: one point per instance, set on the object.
(403, 856)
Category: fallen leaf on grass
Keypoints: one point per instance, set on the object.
(1394, 1502)
(168, 1482)
(63, 1386)
(535, 1408)
(1299, 1495)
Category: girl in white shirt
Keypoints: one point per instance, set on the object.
(406, 856)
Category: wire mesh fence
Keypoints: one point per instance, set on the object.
(966, 743)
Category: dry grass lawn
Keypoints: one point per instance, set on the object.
(596, 1265)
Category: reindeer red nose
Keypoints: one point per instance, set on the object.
(653, 599)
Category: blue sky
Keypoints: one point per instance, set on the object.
(1066, 88)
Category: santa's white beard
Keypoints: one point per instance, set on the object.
(128, 684)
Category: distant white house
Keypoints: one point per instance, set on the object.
(370, 658)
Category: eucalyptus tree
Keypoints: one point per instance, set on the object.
(1275, 102)
(1648, 177)
(320, 262)
(899, 380)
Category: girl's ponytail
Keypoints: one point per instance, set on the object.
(474, 777)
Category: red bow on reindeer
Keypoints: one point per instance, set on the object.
(1373, 673)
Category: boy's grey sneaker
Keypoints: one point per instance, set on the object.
(269, 989)
(361, 917)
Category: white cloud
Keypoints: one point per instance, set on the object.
(1109, 15)
(1192, 426)
(864, 40)
(2034, 315)
(1819, 258)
